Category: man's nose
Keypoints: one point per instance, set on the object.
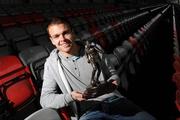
(62, 37)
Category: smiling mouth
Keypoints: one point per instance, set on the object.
(65, 44)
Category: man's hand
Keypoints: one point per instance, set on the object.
(92, 92)
(114, 82)
(77, 96)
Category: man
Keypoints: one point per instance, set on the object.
(67, 74)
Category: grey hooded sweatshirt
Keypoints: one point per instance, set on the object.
(78, 74)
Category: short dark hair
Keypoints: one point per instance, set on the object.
(59, 20)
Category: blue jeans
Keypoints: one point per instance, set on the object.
(121, 109)
(99, 115)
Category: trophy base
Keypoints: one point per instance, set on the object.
(98, 90)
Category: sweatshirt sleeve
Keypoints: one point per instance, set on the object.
(50, 96)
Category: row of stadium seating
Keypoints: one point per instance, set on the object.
(112, 30)
(176, 63)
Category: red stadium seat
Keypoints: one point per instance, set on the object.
(17, 90)
(177, 58)
(177, 101)
(6, 21)
(37, 17)
(99, 36)
(15, 82)
(22, 19)
(176, 65)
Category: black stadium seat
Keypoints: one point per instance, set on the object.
(34, 57)
(39, 34)
(5, 47)
(18, 37)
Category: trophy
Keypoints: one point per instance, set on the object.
(96, 88)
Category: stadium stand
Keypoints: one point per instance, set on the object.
(125, 31)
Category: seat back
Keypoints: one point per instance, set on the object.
(44, 114)
(37, 69)
(114, 60)
(34, 57)
(18, 37)
(40, 35)
(16, 84)
(33, 54)
(5, 47)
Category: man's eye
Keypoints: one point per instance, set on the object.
(66, 33)
(55, 36)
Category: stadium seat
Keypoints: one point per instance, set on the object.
(22, 19)
(177, 101)
(129, 59)
(7, 21)
(16, 86)
(35, 29)
(121, 54)
(176, 65)
(34, 57)
(19, 38)
(113, 59)
(40, 36)
(44, 114)
(37, 17)
(5, 47)
(134, 42)
(99, 36)
(49, 14)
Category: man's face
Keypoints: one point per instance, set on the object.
(62, 37)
